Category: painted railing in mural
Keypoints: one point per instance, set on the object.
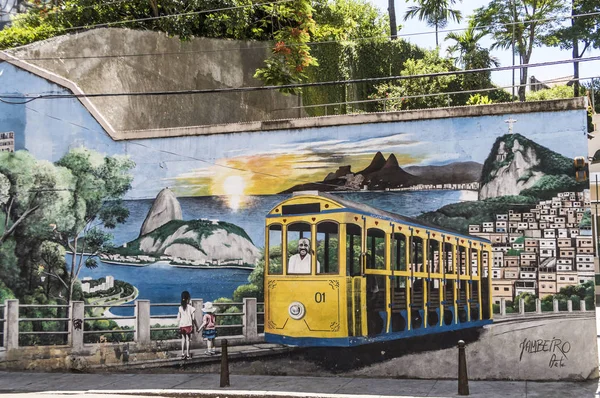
(78, 324)
(523, 309)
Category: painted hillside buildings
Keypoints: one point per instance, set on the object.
(541, 250)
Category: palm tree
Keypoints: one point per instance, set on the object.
(434, 13)
(468, 54)
(466, 49)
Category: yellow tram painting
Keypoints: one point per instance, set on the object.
(341, 273)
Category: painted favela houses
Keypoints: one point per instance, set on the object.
(144, 212)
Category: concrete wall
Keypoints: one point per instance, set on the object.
(199, 63)
(545, 349)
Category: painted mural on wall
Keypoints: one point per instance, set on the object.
(148, 218)
(516, 189)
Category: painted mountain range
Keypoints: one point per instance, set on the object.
(384, 173)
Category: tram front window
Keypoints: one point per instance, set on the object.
(327, 248)
(299, 249)
(275, 250)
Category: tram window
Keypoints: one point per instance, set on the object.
(399, 252)
(299, 252)
(462, 261)
(416, 256)
(448, 256)
(433, 256)
(275, 252)
(474, 262)
(375, 249)
(484, 264)
(353, 249)
(327, 248)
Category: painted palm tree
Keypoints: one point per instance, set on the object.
(435, 13)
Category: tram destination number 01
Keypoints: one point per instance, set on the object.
(319, 297)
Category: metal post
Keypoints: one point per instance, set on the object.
(250, 327)
(76, 326)
(463, 379)
(11, 324)
(142, 322)
(224, 365)
(593, 100)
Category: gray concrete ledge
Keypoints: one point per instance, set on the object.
(347, 120)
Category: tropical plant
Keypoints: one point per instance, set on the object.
(404, 94)
(290, 55)
(557, 92)
(522, 23)
(582, 34)
(435, 13)
(479, 99)
(469, 54)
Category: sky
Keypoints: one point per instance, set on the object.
(541, 54)
(279, 160)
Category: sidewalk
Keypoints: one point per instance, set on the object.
(28, 384)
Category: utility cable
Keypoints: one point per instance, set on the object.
(473, 91)
(30, 97)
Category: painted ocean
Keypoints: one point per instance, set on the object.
(161, 283)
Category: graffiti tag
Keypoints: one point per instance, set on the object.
(77, 324)
(556, 347)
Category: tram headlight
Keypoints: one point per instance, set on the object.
(296, 310)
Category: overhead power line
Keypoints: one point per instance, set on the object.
(31, 97)
(473, 91)
(254, 48)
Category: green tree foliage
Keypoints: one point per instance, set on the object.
(291, 54)
(98, 185)
(557, 92)
(532, 21)
(478, 99)
(582, 34)
(469, 54)
(347, 20)
(592, 87)
(395, 93)
(436, 13)
(338, 24)
(26, 186)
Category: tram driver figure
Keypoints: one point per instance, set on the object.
(300, 262)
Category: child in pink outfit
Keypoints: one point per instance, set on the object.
(208, 327)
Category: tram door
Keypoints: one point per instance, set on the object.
(355, 280)
(376, 283)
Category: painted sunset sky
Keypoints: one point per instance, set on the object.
(270, 162)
